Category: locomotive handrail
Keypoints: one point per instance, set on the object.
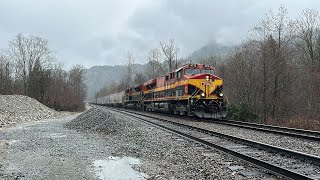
(194, 93)
(144, 96)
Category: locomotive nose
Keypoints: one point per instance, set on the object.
(209, 85)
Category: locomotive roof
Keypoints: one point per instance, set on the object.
(191, 65)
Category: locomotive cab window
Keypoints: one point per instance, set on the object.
(171, 75)
(179, 74)
(208, 71)
(191, 71)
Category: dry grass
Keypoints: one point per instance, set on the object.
(299, 122)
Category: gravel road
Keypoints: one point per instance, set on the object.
(70, 147)
(47, 150)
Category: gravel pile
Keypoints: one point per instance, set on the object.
(164, 155)
(94, 120)
(18, 108)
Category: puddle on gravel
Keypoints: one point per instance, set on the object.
(118, 168)
(57, 135)
(13, 142)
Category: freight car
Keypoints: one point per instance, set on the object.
(193, 89)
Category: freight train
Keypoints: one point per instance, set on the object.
(193, 90)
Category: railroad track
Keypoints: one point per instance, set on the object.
(292, 132)
(279, 161)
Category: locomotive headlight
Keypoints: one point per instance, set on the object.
(221, 94)
(207, 78)
(202, 94)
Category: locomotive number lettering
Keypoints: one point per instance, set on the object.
(205, 83)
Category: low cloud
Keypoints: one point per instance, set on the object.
(101, 32)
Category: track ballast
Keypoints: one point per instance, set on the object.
(280, 161)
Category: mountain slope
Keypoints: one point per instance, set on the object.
(211, 49)
(98, 76)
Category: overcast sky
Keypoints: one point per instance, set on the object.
(100, 32)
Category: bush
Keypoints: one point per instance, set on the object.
(242, 112)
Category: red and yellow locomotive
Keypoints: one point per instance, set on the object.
(193, 89)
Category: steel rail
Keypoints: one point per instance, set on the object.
(292, 132)
(275, 169)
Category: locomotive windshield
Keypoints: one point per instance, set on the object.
(207, 71)
(191, 71)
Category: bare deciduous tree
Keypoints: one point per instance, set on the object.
(170, 52)
(25, 51)
(139, 78)
(5, 76)
(77, 86)
(128, 62)
(154, 65)
(281, 29)
(308, 32)
(37, 76)
(276, 73)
